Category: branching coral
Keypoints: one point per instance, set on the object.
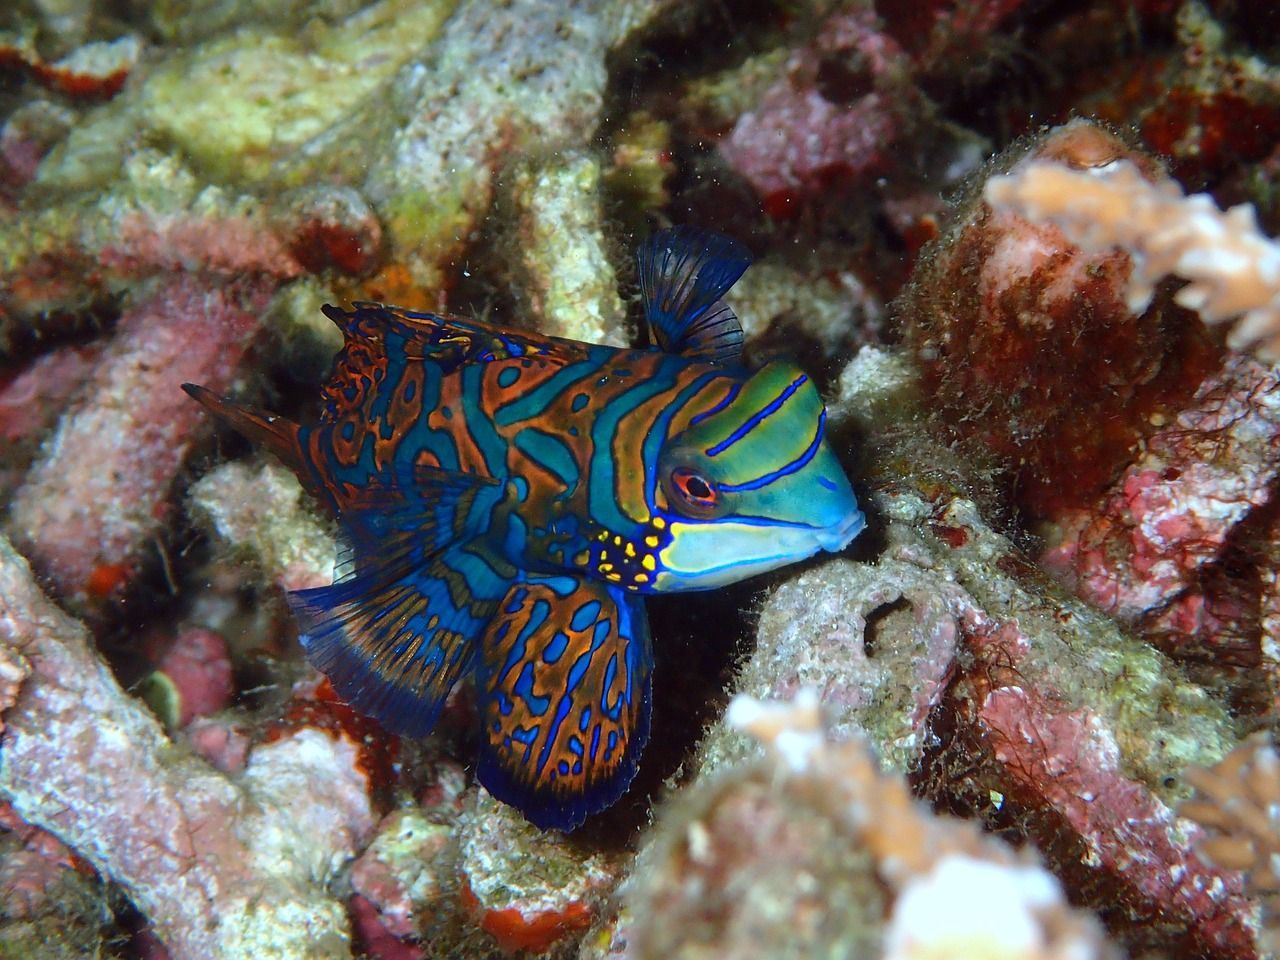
(1238, 802)
(223, 868)
(94, 499)
(1233, 268)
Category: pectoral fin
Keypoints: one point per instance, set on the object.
(394, 636)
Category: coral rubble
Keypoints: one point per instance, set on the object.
(1048, 354)
(813, 851)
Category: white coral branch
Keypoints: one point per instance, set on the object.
(223, 868)
(1233, 268)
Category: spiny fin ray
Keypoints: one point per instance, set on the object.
(683, 273)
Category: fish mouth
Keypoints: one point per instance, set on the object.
(835, 538)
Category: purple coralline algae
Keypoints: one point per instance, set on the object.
(1048, 355)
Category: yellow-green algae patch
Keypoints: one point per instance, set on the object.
(238, 104)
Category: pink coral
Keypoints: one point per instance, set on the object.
(376, 940)
(796, 140)
(99, 492)
(221, 742)
(403, 870)
(195, 670)
(1173, 511)
(1068, 760)
(32, 398)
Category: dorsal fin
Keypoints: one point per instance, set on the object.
(277, 434)
(683, 273)
(377, 334)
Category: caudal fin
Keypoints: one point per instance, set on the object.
(277, 434)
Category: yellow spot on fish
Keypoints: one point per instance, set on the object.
(660, 523)
(581, 559)
(631, 550)
(647, 562)
(651, 541)
(617, 538)
(606, 567)
(613, 577)
(642, 578)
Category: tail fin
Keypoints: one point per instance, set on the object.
(277, 434)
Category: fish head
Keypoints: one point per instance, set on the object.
(752, 485)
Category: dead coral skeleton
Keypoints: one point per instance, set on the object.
(1233, 268)
(741, 867)
(222, 867)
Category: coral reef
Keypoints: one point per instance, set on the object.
(1002, 699)
(123, 444)
(1233, 268)
(190, 846)
(526, 889)
(1047, 354)
(1008, 321)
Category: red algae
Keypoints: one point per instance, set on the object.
(320, 708)
(1031, 353)
(514, 931)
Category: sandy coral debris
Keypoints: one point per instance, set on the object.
(262, 513)
(222, 868)
(1233, 268)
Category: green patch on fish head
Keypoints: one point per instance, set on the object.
(752, 485)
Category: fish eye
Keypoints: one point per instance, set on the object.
(692, 493)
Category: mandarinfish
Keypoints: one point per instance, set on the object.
(508, 499)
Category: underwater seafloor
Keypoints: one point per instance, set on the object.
(1048, 673)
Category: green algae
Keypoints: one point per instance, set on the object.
(237, 105)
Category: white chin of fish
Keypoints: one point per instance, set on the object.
(835, 539)
(744, 550)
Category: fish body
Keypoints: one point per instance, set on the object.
(508, 498)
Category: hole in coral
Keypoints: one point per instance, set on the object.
(885, 622)
(844, 81)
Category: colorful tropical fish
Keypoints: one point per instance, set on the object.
(509, 498)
